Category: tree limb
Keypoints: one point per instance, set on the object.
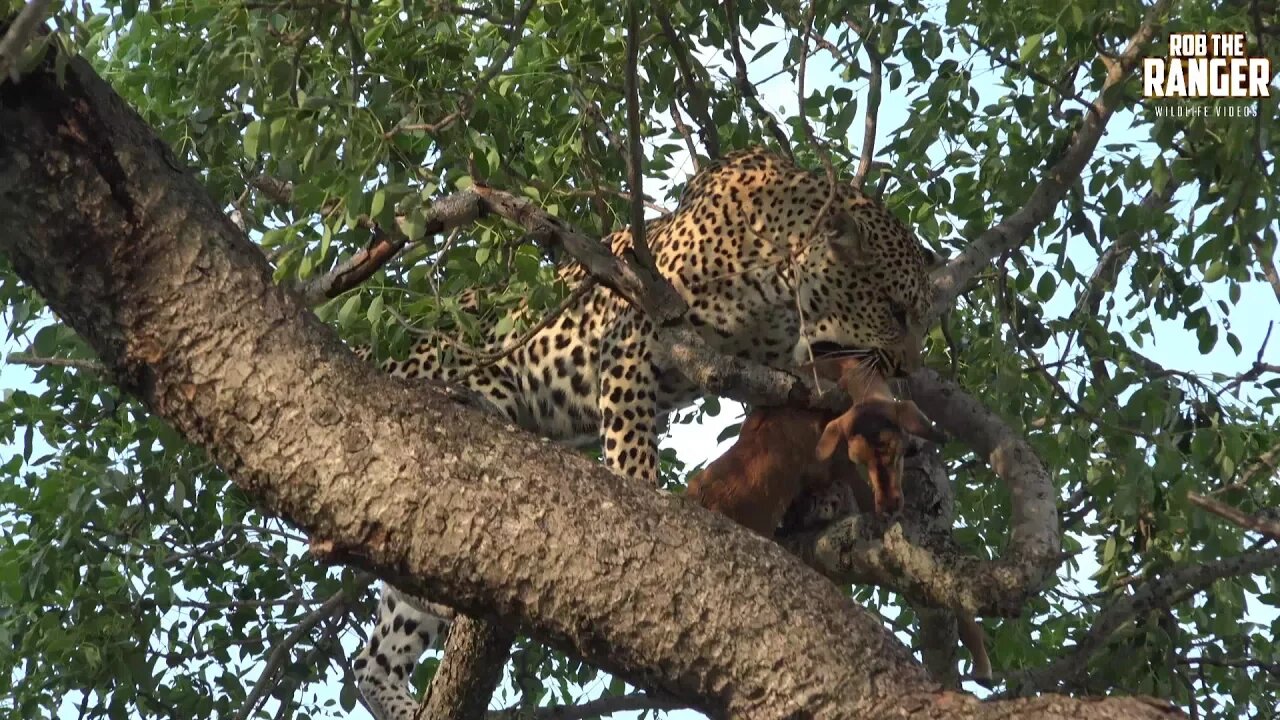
(927, 567)
(1017, 228)
(474, 658)
(1260, 525)
(444, 215)
(873, 102)
(642, 287)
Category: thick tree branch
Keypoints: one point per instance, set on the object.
(1018, 227)
(402, 479)
(904, 561)
(474, 658)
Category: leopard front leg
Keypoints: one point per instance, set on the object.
(628, 402)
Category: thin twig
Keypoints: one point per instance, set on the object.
(635, 147)
(593, 111)
(744, 86)
(488, 359)
(280, 653)
(444, 214)
(92, 366)
(1062, 89)
(695, 99)
(831, 177)
(15, 41)
(1174, 587)
(1262, 526)
(683, 128)
(1272, 668)
(1268, 264)
(481, 82)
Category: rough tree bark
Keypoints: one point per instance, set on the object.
(474, 659)
(406, 480)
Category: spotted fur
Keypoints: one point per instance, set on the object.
(764, 280)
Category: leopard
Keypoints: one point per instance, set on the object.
(775, 261)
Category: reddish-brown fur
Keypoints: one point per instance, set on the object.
(755, 481)
(872, 433)
(783, 451)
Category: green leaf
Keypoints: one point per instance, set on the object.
(46, 342)
(504, 326)
(1030, 47)
(1234, 342)
(1046, 287)
(254, 135)
(1215, 272)
(348, 696)
(348, 312)
(414, 226)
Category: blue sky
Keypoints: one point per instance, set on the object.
(1173, 346)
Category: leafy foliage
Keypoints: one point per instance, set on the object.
(135, 582)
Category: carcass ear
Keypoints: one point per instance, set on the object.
(909, 417)
(835, 431)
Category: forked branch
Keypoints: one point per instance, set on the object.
(1017, 228)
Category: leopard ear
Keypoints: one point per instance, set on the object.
(848, 238)
(933, 261)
